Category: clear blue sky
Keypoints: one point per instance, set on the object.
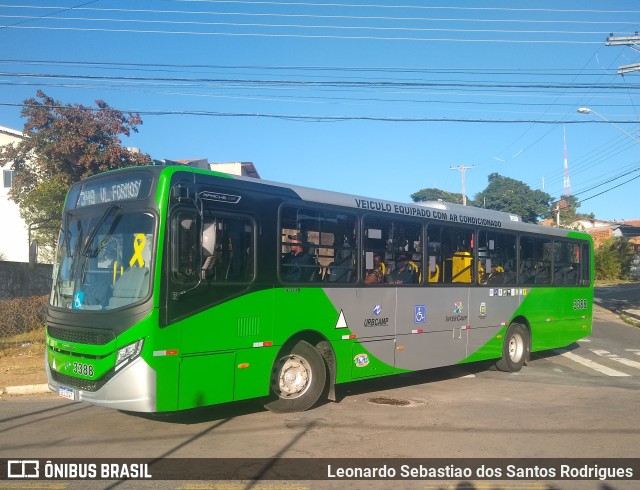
(371, 98)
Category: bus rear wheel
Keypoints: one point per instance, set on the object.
(514, 349)
(298, 379)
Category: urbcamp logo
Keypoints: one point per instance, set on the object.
(457, 316)
(376, 321)
(361, 360)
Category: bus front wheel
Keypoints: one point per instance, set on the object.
(298, 379)
(514, 349)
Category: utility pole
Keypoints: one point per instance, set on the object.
(566, 186)
(632, 42)
(462, 169)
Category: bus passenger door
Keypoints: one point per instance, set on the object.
(490, 309)
(431, 325)
(369, 314)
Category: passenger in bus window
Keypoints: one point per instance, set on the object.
(404, 273)
(377, 274)
(298, 265)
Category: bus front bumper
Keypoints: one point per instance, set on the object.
(132, 389)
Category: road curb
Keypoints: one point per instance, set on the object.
(630, 316)
(25, 389)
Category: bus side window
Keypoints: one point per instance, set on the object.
(535, 260)
(184, 247)
(496, 258)
(585, 266)
(384, 241)
(227, 246)
(453, 251)
(317, 246)
(377, 241)
(566, 263)
(435, 270)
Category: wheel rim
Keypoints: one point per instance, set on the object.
(294, 377)
(516, 347)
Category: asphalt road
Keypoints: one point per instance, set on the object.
(614, 298)
(578, 402)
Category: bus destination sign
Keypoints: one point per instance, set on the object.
(113, 190)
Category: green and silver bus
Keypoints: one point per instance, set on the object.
(173, 289)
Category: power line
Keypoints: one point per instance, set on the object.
(636, 169)
(61, 9)
(366, 6)
(337, 118)
(335, 83)
(600, 22)
(610, 189)
(312, 36)
(413, 7)
(604, 31)
(321, 68)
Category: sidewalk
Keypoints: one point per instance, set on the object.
(630, 315)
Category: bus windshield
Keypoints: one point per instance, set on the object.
(103, 260)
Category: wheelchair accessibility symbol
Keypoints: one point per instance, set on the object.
(420, 314)
(78, 300)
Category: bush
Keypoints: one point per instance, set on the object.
(613, 259)
(22, 315)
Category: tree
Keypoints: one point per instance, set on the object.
(568, 206)
(512, 196)
(501, 194)
(64, 144)
(431, 194)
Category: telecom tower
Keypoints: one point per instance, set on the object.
(566, 187)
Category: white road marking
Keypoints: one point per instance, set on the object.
(591, 364)
(614, 357)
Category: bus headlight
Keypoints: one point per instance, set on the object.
(128, 353)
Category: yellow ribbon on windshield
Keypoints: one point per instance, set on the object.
(139, 241)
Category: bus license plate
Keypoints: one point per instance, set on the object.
(68, 393)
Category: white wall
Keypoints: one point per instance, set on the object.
(14, 235)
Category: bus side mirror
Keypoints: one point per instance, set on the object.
(33, 254)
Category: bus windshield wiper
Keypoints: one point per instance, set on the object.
(94, 232)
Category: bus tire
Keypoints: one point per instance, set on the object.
(514, 349)
(298, 379)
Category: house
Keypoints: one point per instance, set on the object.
(14, 239)
(629, 229)
(602, 230)
(246, 169)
